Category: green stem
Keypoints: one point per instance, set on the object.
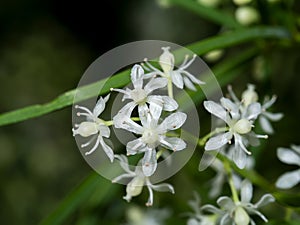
(111, 122)
(228, 170)
(170, 88)
(218, 130)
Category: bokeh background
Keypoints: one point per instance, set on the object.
(45, 47)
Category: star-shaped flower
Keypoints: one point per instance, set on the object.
(239, 212)
(239, 124)
(180, 77)
(152, 134)
(138, 181)
(95, 127)
(141, 95)
(292, 157)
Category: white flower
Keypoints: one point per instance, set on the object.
(95, 127)
(140, 95)
(180, 77)
(240, 125)
(138, 181)
(152, 135)
(291, 157)
(239, 212)
(266, 117)
(249, 96)
(198, 218)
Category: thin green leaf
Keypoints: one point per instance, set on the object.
(121, 79)
(78, 197)
(208, 13)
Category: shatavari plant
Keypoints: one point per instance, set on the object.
(229, 158)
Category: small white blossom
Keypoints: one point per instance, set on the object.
(141, 95)
(246, 15)
(292, 157)
(180, 77)
(250, 96)
(239, 124)
(95, 127)
(152, 134)
(265, 117)
(138, 181)
(198, 218)
(240, 212)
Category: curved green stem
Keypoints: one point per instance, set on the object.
(228, 170)
(218, 130)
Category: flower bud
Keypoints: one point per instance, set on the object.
(214, 55)
(241, 217)
(166, 60)
(249, 96)
(243, 126)
(86, 129)
(135, 187)
(246, 15)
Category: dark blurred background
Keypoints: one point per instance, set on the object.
(45, 46)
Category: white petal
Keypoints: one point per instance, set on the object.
(100, 106)
(169, 104)
(149, 162)
(135, 146)
(273, 116)
(172, 122)
(269, 102)
(164, 187)
(264, 200)
(215, 109)
(136, 75)
(231, 107)
(288, 156)
(124, 122)
(173, 143)
(189, 84)
(296, 148)
(211, 208)
(192, 77)
(177, 79)
(218, 141)
(192, 221)
(104, 131)
(126, 110)
(253, 110)
(143, 113)
(108, 151)
(246, 191)
(226, 203)
(239, 157)
(155, 111)
(266, 125)
(255, 211)
(288, 179)
(154, 84)
(226, 219)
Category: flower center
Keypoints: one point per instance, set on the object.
(138, 95)
(242, 126)
(150, 137)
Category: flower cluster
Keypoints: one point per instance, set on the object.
(240, 117)
(154, 128)
(239, 212)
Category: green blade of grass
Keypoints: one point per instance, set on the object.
(121, 79)
(208, 13)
